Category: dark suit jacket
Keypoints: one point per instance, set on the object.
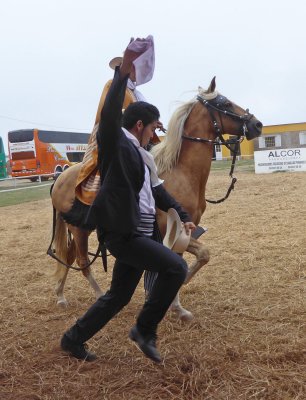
(116, 207)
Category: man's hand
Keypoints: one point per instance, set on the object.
(160, 127)
(129, 56)
(189, 227)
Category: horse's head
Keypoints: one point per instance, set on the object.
(226, 116)
(204, 119)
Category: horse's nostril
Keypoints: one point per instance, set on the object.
(258, 125)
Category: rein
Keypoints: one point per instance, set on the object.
(219, 135)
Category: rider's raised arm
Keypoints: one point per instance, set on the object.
(111, 115)
(110, 122)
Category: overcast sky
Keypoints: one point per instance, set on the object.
(54, 56)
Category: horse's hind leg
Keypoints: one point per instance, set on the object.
(59, 287)
(66, 252)
(81, 240)
(202, 257)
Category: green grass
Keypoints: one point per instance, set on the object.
(23, 196)
(240, 165)
(40, 193)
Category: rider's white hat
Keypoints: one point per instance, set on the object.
(176, 237)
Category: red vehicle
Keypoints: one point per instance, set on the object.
(34, 152)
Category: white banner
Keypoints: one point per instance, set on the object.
(21, 147)
(268, 161)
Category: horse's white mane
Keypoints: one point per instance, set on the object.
(167, 152)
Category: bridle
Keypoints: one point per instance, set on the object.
(219, 105)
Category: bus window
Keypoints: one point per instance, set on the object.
(23, 155)
(75, 156)
(62, 137)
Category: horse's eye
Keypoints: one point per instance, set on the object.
(228, 104)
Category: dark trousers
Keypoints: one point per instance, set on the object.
(133, 255)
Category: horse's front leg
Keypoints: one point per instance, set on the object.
(81, 240)
(181, 312)
(202, 257)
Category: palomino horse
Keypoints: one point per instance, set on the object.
(184, 161)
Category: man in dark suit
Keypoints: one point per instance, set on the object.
(124, 210)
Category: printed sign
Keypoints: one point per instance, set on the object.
(268, 161)
(21, 146)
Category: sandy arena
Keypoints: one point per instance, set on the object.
(248, 337)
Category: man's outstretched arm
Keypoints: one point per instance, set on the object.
(110, 121)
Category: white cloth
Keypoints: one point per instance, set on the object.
(146, 199)
(147, 159)
(145, 63)
(132, 86)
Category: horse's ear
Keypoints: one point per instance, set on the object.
(212, 86)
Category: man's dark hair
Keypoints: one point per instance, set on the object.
(140, 110)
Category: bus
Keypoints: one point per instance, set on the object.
(3, 171)
(34, 152)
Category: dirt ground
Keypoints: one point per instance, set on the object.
(247, 340)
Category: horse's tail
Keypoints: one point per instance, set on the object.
(64, 245)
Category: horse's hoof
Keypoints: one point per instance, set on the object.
(182, 314)
(186, 316)
(62, 303)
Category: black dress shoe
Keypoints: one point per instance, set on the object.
(76, 350)
(147, 344)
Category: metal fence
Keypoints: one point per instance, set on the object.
(11, 184)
